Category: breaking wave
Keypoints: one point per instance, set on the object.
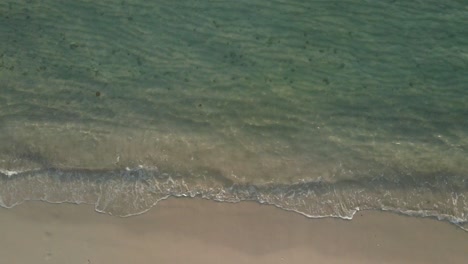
(133, 191)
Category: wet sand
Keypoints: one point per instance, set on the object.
(200, 231)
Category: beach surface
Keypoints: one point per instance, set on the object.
(181, 230)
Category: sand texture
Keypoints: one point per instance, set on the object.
(200, 231)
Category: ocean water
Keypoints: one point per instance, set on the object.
(319, 107)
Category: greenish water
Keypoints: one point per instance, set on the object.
(320, 107)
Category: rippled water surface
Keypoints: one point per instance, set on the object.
(320, 107)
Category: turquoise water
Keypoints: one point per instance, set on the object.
(319, 107)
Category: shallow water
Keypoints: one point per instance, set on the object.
(323, 108)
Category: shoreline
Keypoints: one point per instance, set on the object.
(202, 231)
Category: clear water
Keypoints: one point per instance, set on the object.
(320, 107)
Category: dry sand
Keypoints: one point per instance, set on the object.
(200, 231)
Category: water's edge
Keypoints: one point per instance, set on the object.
(137, 190)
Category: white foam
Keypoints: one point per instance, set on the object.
(9, 173)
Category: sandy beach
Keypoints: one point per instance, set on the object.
(201, 231)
